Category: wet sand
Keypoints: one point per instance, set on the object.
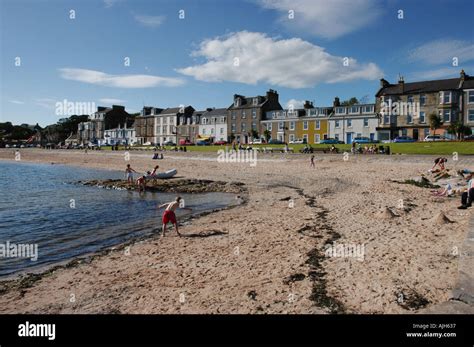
(268, 255)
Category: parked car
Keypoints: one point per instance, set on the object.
(169, 143)
(363, 139)
(435, 138)
(275, 142)
(202, 143)
(256, 142)
(220, 143)
(297, 142)
(185, 143)
(404, 139)
(330, 141)
(469, 138)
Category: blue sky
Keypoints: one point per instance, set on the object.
(220, 48)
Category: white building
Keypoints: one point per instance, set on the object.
(214, 124)
(119, 136)
(168, 120)
(348, 122)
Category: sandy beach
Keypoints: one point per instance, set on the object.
(268, 255)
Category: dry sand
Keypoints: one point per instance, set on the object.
(271, 257)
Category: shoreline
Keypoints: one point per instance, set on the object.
(275, 244)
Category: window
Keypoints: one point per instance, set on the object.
(274, 115)
(368, 109)
(269, 126)
(243, 127)
(337, 125)
(444, 97)
(255, 101)
(305, 138)
(340, 110)
(445, 115)
(470, 97)
(336, 136)
(254, 126)
(254, 113)
(204, 121)
(243, 114)
(221, 131)
(237, 102)
(305, 125)
(292, 137)
(409, 118)
(386, 119)
(317, 138)
(366, 122)
(470, 116)
(422, 100)
(204, 131)
(422, 117)
(404, 132)
(233, 128)
(410, 98)
(317, 125)
(233, 115)
(354, 109)
(349, 123)
(223, 120)
(292, 125)
(280, 125)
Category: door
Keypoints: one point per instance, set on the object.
(372, 137)
(415, 134)
(349, 138)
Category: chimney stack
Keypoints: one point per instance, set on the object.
(336, 102)
(308, 104)
(383, 83)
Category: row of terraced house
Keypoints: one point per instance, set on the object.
(259, 116)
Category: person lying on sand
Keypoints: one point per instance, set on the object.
(464, 172)
(468, 196)
(446, 191)
(129, 173)
(169, 215)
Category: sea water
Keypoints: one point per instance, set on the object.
(42, 205)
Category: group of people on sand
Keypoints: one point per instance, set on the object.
(169, 215)
(465, 176)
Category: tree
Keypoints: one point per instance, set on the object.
(459, 130)
(350, 102)
(254, 134)
(267, 134)
(435, 122)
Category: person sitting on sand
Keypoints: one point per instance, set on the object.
(446, 191)
(169, 215)
(468, 196)
(129, 173)
(141, 183)
(439, 162)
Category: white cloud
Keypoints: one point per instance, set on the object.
(150, 21)
(295, 103)
(119, 81)
(17, 102)
(110, 3)
(291, 63)
(443, 51)
(448, 72)
(111, 101)
(324, 18)
(46, 103)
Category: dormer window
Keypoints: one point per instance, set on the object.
(255, 101)
(237, 102)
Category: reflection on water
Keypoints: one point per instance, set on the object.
(40, 205)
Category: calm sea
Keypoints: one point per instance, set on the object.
(41, 204)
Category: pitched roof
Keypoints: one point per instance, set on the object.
(216, 112)
(426, 86)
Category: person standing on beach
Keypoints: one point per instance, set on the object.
(141, 183)
(169, 215)
(312, 162)
(468, 197)
(129, 173)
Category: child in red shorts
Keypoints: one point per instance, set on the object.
(169, 215)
